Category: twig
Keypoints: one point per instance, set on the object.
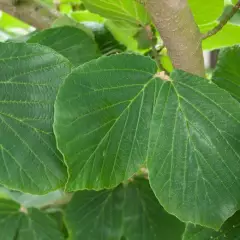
(223, 22)
(155, 55)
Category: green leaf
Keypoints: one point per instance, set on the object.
(29, 200)
(205, 11)
(103, 140)
(128, 212)
(30, 78)
(12, 25)
(10, 218)
(227, 73)
(86, 16)
(228, 36)
(128, 116)
(193, 146)
(128, 10)
(17, 223)
(71, 42)
(124, 33)
(229, 231)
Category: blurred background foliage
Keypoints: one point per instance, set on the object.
(126, 26)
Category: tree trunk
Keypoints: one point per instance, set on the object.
(181, 36)
(30, 12)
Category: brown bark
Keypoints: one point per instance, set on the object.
(29, 11)
(181, 36)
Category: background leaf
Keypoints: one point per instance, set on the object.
(17, 223)
(205, 11)
(30, 77)
(127, 10)
(128, 212)
(71, 42)
(228, 36)
(227, 73)
(229, 231)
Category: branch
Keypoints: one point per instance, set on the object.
(222, 22)
(29, 11)
(180, 34)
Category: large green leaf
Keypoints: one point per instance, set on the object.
(73, 43)
(17, 223)
(114, 114)
(127, 10)
(227, 72)
(206, 11)
(30, 78)
(102, 118)
(229, 231)
(194, 145)
(128, 212)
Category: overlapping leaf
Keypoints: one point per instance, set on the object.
(27, 224)
(30, 78)
(227, 72)
(229, 231)
(115, 114)
(128, 212)
(73, 43)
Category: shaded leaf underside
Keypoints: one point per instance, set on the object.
(128, 212)
(33, 225)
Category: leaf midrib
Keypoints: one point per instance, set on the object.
(116, 120)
